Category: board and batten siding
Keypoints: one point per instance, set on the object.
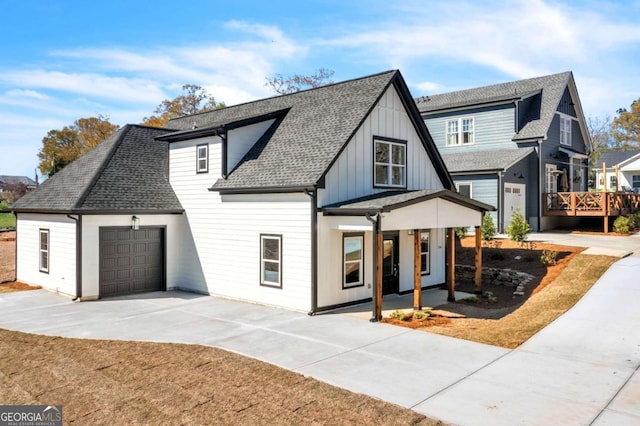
(173, 224)
(225, 232)
(494, 128)
(351, 176)
(240, 141)
(61, 277)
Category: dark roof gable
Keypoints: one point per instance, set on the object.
(315, 127)
(614, 158)
(129, 171)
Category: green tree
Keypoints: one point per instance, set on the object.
(61, 147)
(295, 83)
(488, 229)
(518, 227)
(625, 128)
(194, 100)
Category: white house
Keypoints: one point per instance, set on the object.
(307, 201)
(622, 170)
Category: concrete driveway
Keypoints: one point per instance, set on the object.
(581, 369)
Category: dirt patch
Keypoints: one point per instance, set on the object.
(16, 286)
(115, 382)
(7, 256)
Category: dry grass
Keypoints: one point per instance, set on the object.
(113, 382)
(544, 306)
(16, 286)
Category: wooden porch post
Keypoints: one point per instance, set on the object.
(417, 271)
(451, 266)
(478, 271)
(379, 259)
(605, 211)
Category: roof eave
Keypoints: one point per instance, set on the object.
(265, 189)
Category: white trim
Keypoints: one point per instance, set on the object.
(469, 183)
(562, 114)
(572, 154)
(263, 260)
(44, 251)
(345, 262)
(460, 132)
(390, 164)
(565, 130)
(426, 270)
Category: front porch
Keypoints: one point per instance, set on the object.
(590, 204)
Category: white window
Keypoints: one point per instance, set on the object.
(353, 258)
(424, 252)
(465, 188)
(565, 131)
(635, 181)
(390, 168)
(271, 260)
(44, 250)
(460, 131)
(613, 183)
(550, 180)
(202, 161)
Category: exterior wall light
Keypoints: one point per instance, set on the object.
(135, 223)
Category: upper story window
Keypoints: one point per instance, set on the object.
(390, 168)
(464, 188)
(202, 160)
(460, 131)
(44, 250)
(565, 131)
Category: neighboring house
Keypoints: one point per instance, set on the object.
(289, 201)
(13, 187)
(508, 144)
(622, 171)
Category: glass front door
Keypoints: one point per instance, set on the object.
(390, 276)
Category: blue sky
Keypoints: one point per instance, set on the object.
(64, 60)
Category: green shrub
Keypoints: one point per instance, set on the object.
(4, 204)
(623, 224)
(419, 315)
(488, 229)
(399, 315)
(518, 228)
(490, 297)
(549, 257)
(461, 232)
(472, 299)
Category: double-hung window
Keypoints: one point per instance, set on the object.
(635, 181)
(202, 160)
(390, 168)
(460, 131)
(353, 261)
(565, 130)
(44, 251)
(271, 260)
(465, 188)
(424, 253)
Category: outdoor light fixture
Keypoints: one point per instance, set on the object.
(410, 232)
(135, 223)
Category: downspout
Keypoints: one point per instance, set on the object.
(224, 165)
(15, 270)
(376, 231)
(314, 249)
(540, 185)
(78, 222)
(501, 202)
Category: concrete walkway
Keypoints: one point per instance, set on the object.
(581, 369)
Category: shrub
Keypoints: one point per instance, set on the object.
(419, 315)
(518, 228)
(490, 297)
(472, 299)
(3, 205)
(549, 257)
(399, 315)
(461, 232)
(488, 229)
(623, 224)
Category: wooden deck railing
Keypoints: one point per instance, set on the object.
(589, 203)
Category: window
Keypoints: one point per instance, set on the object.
(271, 260)
(202, 162)
(353, 261)
(565, 131)
(460, 131)
(44, 250)
(390, 166)
(613, 183)
(464, 188)
(424, 253)
(635, 181)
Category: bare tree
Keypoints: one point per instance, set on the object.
(295, 83)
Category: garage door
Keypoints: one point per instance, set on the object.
(131, 261)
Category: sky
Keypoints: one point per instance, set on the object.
(68, 59)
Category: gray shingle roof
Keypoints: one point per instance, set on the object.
(552, 88)
(388, 201)
(484, 160)
(614, 158)
(315, 126)
(127, 172)
(4, 179)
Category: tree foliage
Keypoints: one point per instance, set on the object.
(518, 227)
(600, 135)
(13, 191)
(625, 128)
(61, 147)
(295, 83)
(194, 100)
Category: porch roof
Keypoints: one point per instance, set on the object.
(392, 200)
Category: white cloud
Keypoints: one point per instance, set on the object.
(430, 87)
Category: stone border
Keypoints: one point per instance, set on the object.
(505, 277)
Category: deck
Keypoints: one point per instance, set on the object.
(594, 204)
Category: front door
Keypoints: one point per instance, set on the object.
(514, 199)
(390, 251)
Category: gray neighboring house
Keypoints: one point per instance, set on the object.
(7, 180)
(507, 144)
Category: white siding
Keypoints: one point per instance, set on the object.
(62, 255)
(176, 268)
(351, 176)
(226, 234)
(240, 141)
(436, 253)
